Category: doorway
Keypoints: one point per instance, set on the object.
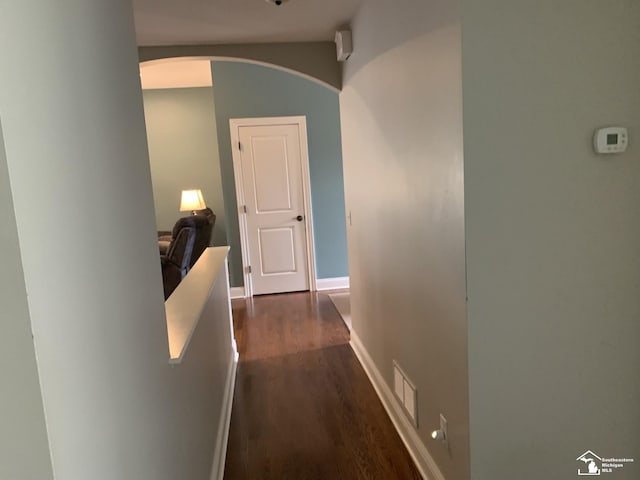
(271, 169)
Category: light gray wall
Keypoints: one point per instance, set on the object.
(401, 113)
(81, 186)
(183, 153)
(24, 448)
(553, 235)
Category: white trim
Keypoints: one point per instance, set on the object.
(418, 451)
(301, 122)
(220, 454)
(336, 283)
(237, 292)
(242, 221)
(306, 188)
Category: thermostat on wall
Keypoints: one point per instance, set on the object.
(610, 140)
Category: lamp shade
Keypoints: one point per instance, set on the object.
(191, 200)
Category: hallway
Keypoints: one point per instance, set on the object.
(303, 406)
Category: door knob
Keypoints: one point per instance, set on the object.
(299, 218)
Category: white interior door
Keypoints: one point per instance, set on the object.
(275, 217)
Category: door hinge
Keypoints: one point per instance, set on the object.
(249, 269)
(240, 146)
(244, 209)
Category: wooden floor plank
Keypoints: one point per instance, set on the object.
(303, 406)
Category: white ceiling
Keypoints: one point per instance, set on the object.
(183, 22)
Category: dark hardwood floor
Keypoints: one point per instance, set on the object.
(303, 406)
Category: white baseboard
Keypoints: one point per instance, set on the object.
(321, 284)
(332, 283)
(220, 454)
(237, 292)
(419, 453)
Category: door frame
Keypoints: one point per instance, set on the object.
(301, 122)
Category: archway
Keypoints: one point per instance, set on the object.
(257, 89)
(315, 61)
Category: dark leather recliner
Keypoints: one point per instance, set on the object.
(177, 261)
(190, 237)
(203, 236)
(165, 237)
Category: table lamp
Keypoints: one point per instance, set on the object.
(192, 200)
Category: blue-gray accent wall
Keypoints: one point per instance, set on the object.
(244, 90)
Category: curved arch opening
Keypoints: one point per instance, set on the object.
(181, 128)
(316, 61)
(212, 58)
